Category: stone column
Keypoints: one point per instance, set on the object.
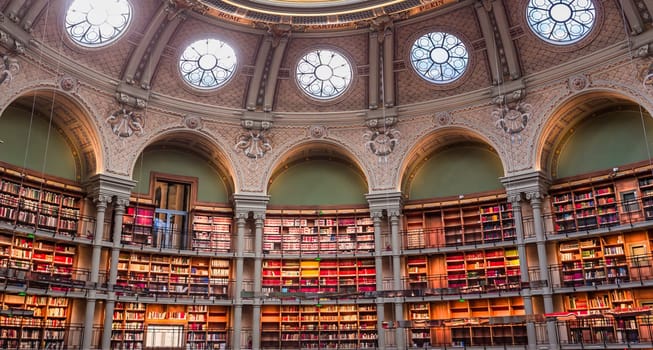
(259, 219)
(535, 199)
(378, 266)
(118, 211)
(238, 276)
(396, 276)
(515, 200)
(100, 207)
(373, 81)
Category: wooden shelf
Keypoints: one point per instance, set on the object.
(595, 261)
(137, 225)
(585, 208)
(325, 326)
(40, 322)
(211, 233)
(323, 276)
(45, 208)
(323, 234)
(173, 276)
(485, 270)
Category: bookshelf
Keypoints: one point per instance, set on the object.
(484, 270)
(342, 326)
(318, 234)
(137, 225)
(206, 326)
(418, 272)
(420, 330)
(645, 185)
(585, 208)
(39, 322)
(593, 261)
(211, 233)
(44, 207)
(319, 276)
(466, 223)
(174, 276)
(470, 322)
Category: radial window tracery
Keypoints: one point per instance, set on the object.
(561, 21)
(439, 57)
(97, 23)
(207, 63)
(323, 74)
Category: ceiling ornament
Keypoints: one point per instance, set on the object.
(193, 122)
(512, 118)
(68, 83)
(126, 123)
(254, 142)
(578, 82)
(317, 131)
(382, 137)
(9, 68)
(443, 118)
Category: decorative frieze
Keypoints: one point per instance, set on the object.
(126, 123)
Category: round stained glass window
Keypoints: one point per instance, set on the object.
(207, 63)
(94, 23)
(439, 57)
(561, 21)
(323, 74)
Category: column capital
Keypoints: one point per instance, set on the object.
(515, 198)
(526, 182)
(390, 201)
(376, 214)
(259, 216)
(250, 202)
(108, 185)
(534, 196)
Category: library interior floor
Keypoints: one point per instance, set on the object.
(314, 174)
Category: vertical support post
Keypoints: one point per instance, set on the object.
(118, 211)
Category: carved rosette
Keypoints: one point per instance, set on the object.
(193, 122)
(68, 83)
(126, 123)
(443, 118)
(253, 143)
(9, 68)
(578, 82)
(317, 131)
(512, 119)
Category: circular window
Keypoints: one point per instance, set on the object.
(207, 63)
(562, 21)
(96, 23)
(439, 57)
(323, 74)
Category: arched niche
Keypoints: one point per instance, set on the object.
(595, 132)
(185, 155)
(50, 133)
(317, 175)
(451, 162)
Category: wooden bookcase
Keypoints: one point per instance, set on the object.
(420, 331)
(174, 276)
(646, 192)
(343, 326)
(211, 233)
(593, 261)
(484, 270)
(308, 233)
(40, 322)
(206, 326)
(137, 225)
(585, 208)
(470, 322)
(451, 224)
(319, 276)
(49, 206)
(417, 268)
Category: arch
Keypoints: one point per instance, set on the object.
(323, 150)
(72, 118)
(569, 113)
(438, 140)
(198, 144)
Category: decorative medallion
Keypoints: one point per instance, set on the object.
(317, 131)
(253, 143)
(67, 83)
(381, 141)
(9, 68)
(193, 122)
(125, 123)
(512, 119)
(578, 82)
(443, 118)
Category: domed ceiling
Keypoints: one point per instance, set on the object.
(317, 14)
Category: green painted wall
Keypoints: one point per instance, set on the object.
(14, 131)
(318, 182)
(211, 188)
(605, 141)
(458, 170)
